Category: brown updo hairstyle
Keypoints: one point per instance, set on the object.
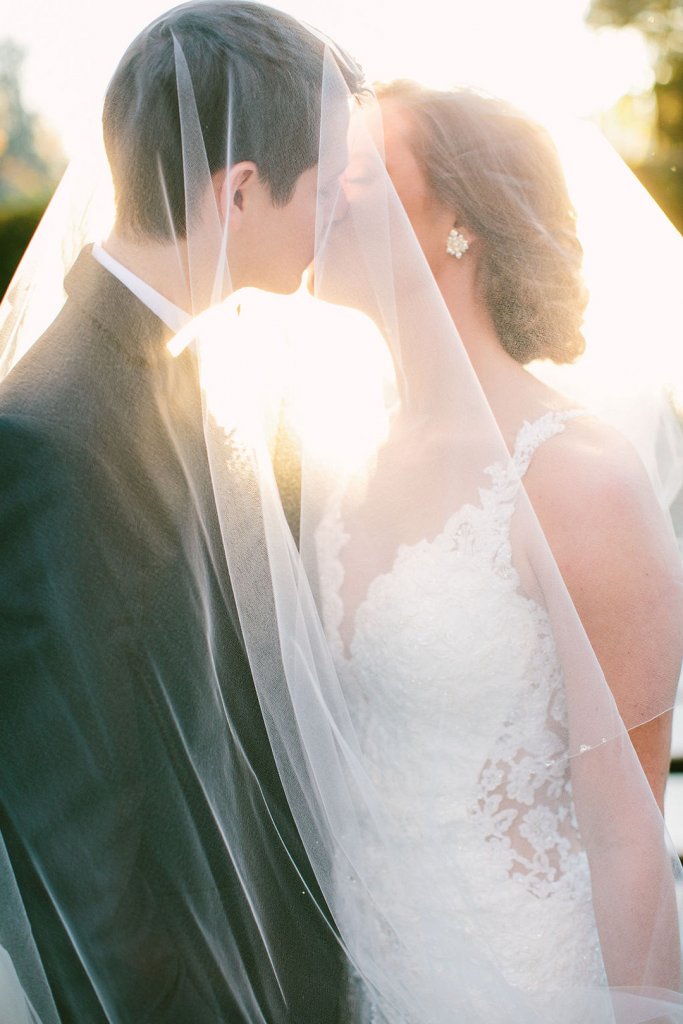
(500, 174)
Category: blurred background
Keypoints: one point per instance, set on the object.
(618, 63)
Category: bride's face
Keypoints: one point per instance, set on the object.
(430, 219)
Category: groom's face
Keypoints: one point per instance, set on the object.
(274, 244)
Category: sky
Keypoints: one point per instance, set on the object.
(537, 53)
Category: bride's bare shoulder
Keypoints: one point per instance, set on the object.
(592, 495)
(592, 454)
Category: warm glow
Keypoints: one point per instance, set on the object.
(320, 371)
(530, 52)
(630, 346)
(633, 265)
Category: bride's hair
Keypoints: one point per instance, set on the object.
(501, 174)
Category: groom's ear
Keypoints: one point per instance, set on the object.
(233, 190)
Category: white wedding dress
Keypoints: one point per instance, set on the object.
(462, 734)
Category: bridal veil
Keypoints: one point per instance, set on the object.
(356, 393)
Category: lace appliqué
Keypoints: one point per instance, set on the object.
(455, 690)
(525, 811)
(482, 530)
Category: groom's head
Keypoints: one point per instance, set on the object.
(215, 84)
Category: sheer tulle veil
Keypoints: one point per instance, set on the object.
(356, 391)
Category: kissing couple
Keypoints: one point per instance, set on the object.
(338, 650)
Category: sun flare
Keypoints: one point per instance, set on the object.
(319, 371)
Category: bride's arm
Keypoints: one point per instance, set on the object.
(621, 565)
(619, 560)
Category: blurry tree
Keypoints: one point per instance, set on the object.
(30, 159)
(31, 162)
(661, 23)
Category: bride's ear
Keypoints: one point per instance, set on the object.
(233, 190)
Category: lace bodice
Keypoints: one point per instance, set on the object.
(456, 693)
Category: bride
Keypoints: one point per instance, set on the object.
(469, 170)
(446, 642)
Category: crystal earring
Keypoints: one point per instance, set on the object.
(456, 244)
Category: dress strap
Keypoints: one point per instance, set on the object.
(531, 436)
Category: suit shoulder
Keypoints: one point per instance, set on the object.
(33, 461)
(69, 387)
(22, 432)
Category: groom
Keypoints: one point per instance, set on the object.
(144, 817)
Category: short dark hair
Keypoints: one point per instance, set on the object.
(259, 63)
(500, 172)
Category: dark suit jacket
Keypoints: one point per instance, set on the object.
(152, 842)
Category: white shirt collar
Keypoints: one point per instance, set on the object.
(173, 316)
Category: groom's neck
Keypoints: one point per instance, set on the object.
(161, 266)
